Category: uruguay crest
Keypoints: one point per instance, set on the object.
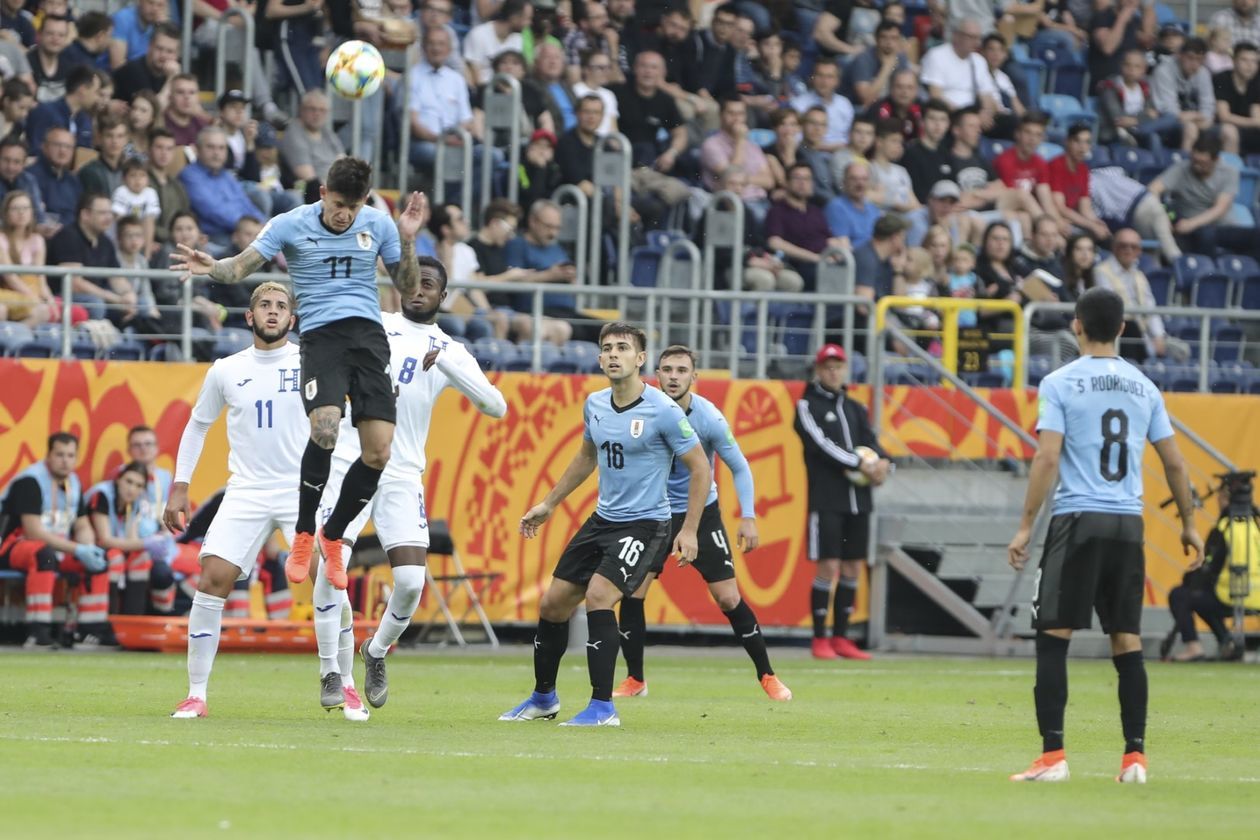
(636, 428)
(365, 240)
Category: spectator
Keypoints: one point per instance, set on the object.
(730, 146)
(1219, 58)
(1127, 110)
(1241, 22)
(310, 147)
(1079, 258)
(242, 133)
(183, 115)
(1050, 333)
(870, 74)
(939, 248)
(549, 79)
(467, 313)
(683, 51)
(1069, 183)
(719, 55)
(216, 197)
(942, 209)
(830, 29)
(763, 272)
(25, 298)
(84, 243)
(14, 18)
(58, 186)
(879, 265)
(132, 236)
(927, 159)
(91, 46)
(12, 177)
(73, 111)
(536, 111)
(1201, 193)
(1122, 202)
(1022, 169)
(982, 190)
(490, 245)
(104, 174)
(134, 551)
(889, 180)
(135, 198)
(298, 26)
(797, 227)
(995, 267)
(45, 58)
(153, 69)
(645, 110)
(169, 292)
(901, 104)
(133, 28)
(786, 126)
(575, 151)
(538, 174)
(593, 36)
(1009, 107)
(487, 40)
(16, 103)
(437, 14)
(539, 251)
(850, 217)
(1182, 87)
(595, 72)
(1117, 26)
(172, 197)
(962, 281)
(861, 146)
(1238, 101)
(1040, 250)
(957, 74)
(142, 117)
(1144, 335)
(439, 99)
(812, 151)
(46, 531)
(233, 298)
(823, 93)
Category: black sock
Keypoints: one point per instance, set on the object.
(819, 595)
(633, 635)
(550, 642)
(357, 489)
(1133, 694)
(1051, 691)
(316, 464)
(601, 652)
(846, 594)
(744, 623)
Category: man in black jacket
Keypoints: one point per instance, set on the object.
(833, 428)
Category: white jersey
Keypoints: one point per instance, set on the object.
(418, 391)
(266, 424)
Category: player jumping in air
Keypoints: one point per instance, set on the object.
(259, 387)
(632, 434)
(1095, 418)
(425, 361)
(331, 248)
(676, 372)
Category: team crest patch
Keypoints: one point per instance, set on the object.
(312, 388)
(636, 428)
(365, 240)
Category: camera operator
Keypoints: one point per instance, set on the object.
(1206, 590)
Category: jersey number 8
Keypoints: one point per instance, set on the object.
(1115, 434)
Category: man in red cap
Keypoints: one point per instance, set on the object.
(833, 428)
(538, 175)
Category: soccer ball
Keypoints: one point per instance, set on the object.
(355, 69)
(867, 456)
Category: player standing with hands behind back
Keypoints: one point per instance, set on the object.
(331, 247)
(1095, 417)
(632, 435)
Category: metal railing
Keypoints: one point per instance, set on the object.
(574, 223)
(1204, 317)
(950, 308)
(442, 169)
(612, 171)
(248, 71)
(503, 113)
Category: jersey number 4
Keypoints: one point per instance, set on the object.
(1115, 436)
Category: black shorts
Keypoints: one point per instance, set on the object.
(713, 562)
(842, 535)
(1092, 562)
(348, 358)
(620, 551)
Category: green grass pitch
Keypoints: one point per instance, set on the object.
(897, 747)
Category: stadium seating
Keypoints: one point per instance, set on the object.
(12, 336)
(232, 340)
(1188, 269)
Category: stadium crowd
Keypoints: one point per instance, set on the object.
(956, 148)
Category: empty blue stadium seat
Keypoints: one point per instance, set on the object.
(584, 355)
(1190, 267)
(1211, 291)
(127, 350)
(1227, 343)
(1232, 378)
(232, 340)
(1249, 292)
(1038, 368)
(1183, 379)
(493, 353)
(1237, 267)
(12, 336)
(1156, 370)
(1132, 159)
(166, 351)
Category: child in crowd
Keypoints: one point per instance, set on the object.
(136, 198)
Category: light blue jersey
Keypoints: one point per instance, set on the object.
(334, 274)
(635, 447)
(716, 438)
(1106, 410)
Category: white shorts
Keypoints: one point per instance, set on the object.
(397, 510)
(246, 519)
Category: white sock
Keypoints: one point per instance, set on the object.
(205, 621)
(327, 603)
(345, 643)
(403, 601)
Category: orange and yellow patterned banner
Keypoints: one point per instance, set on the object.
(483, 473)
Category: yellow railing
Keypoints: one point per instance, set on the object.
(951, 342)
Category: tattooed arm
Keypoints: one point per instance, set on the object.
(406, 273)
(191, 262)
